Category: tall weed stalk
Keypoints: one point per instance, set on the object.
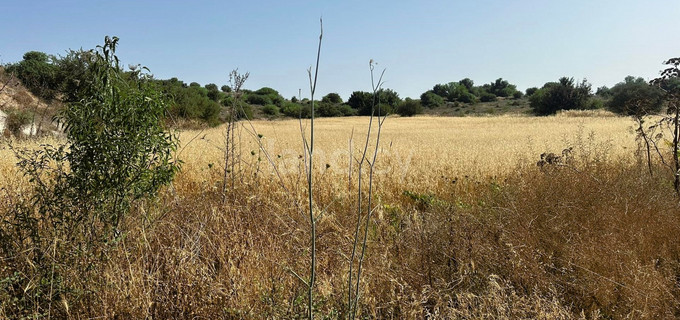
(354, 285)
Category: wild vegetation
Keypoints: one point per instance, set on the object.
(560, 217)
(61, 79)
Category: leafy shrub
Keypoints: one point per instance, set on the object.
(517, 95)
(596, 103)
(347, 110)
(487, 96)
(270, 110)
(117, 152)
(467, 83)
(37, 73)
(430, 99)
(530, 91)
(258, 99)
(409, 108)
(73, 74)
(326, 109)
(244, 111)
(562, 95)
(332, 98)
(191, 102)
(635, 96)
(500, 88)
(265, 91)
(16, 120)
(603, 92)
(295, 110)
(360, 100)
(467, 97)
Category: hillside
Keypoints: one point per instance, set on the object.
(20, 110)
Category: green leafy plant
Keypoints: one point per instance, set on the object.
(117, 152)
(16, 120)
(430, 99)
(635, 96)
(409, 108)
(562, 95)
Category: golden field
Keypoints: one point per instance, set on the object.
(465, 226)
(414, 149)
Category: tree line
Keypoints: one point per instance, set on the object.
(65, 77)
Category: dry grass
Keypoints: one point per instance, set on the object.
(423, 148)
(467, 227)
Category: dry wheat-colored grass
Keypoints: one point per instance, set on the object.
(466, 226)
(421, 148)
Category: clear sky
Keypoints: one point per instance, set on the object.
(420, 43)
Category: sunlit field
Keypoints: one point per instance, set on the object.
(465, 225)
(413, 150)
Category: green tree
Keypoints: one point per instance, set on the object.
(332, 98)
(360, 100)
(37, 73)
(430, 99)
(409, 108)
(467, 83)
(502, 88)
(634, 96)
(266, 91)
(388, 97)
(73, 74)
(530, 91)
(562, 95)
(603, 92)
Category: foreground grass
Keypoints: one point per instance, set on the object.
(467, 227)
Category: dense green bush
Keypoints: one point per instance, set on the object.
(360, 100)
(16, 120)
(634, 96)
(332, 98)
(603, 92)
(37, 73)
(430, 99)
(467, 83)
(388, 97)
(501, 88)
(244, 111)
(347, 110)
(117, 152)
(530, 91)
(485, 96)
(190, 102)
(517, 95)
(73, 74)
(562, 95)
(264, 96)
(264, 91)
(326, 109)
(258, 99)
(293, 110)
(409, 108)
(270, 110)
(595, 103)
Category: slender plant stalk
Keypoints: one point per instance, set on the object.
(237, 80)
(352, 300)
(676, 148)
(310, 191)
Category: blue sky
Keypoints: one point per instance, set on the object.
(420, 43)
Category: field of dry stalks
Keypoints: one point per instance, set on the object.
(466, 225)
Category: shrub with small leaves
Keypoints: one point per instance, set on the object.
(117, 152)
